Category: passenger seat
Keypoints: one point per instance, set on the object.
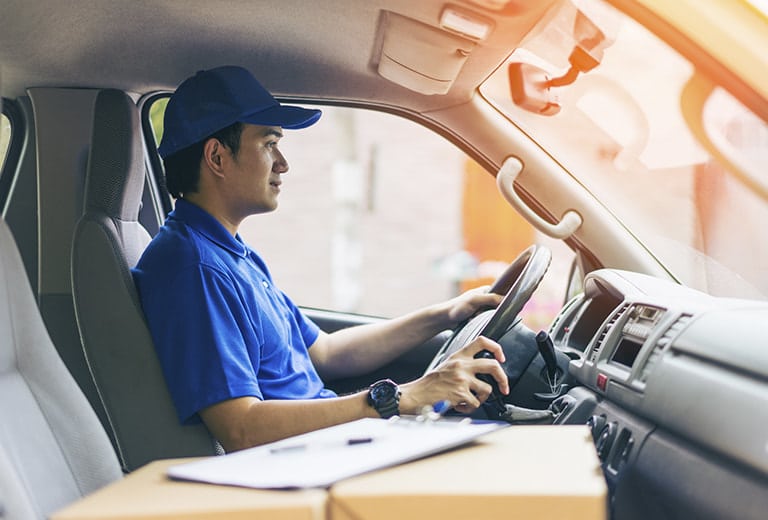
(53, 449)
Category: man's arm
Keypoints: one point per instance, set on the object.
(245, 422)
(358, 350)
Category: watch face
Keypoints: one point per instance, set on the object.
(383, 391)
(384, 396)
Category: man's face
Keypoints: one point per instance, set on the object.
(254, 178)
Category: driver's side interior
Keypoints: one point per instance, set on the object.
(108, 240)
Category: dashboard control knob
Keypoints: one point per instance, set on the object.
(605, 440)
(595, 424)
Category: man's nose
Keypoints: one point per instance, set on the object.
(280, 165)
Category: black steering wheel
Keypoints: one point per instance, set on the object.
(517, 283)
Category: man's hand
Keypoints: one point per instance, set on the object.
(465, 305)
(456, 381)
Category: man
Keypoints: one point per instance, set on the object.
(236, 352)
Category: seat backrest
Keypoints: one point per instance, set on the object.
(53, 450)
(108, 241)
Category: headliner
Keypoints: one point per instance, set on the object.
(297, 48)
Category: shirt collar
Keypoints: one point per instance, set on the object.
(205, 224)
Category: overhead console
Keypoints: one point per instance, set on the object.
(429, 54)
(421, 57)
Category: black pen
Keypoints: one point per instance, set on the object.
(290, 448)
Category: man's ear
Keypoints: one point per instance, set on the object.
(213, 155)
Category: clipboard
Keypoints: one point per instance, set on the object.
(324, 457)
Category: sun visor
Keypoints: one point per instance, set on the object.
(421, 57)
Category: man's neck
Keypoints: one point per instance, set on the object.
(217, 211)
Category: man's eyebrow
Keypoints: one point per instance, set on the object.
(273, 132)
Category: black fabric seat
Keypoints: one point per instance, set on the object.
(108, 241)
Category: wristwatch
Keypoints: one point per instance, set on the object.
(384, 397)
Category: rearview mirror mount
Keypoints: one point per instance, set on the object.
(531, 90)
(531, 86)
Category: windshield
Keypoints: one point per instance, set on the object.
(632, 127)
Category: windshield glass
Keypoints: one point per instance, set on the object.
(620, 128)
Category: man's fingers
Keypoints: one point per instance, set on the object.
(481, 389)
(468, 404)
(488, 299)
(492, 368)
(501, 379)
(483, 343)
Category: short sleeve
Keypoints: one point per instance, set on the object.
(203, 339)
(308, 329)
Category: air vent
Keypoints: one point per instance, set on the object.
(554, 330)
(608, 326)
(662, 344)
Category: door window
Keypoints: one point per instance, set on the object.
(380, 216)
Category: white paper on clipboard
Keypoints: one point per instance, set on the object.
(323, 457)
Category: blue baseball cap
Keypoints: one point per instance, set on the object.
(216, 98)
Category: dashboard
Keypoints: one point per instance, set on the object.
(674, 386)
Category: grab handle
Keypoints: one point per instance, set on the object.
(505, 179)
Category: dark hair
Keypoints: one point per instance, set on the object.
(182, 169)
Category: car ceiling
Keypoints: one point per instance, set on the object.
(298, 48)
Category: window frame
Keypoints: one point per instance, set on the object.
(11, 110)
(155, 168)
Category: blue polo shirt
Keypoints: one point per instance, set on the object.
(221, 328)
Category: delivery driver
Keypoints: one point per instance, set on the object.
(235, 350)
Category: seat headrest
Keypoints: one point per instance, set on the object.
(115, 174)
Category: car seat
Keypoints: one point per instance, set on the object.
(53, 450)
(109, 240)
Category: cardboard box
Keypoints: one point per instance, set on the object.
(541, 472)
(147, 494)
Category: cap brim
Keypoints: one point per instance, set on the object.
(290, 117)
